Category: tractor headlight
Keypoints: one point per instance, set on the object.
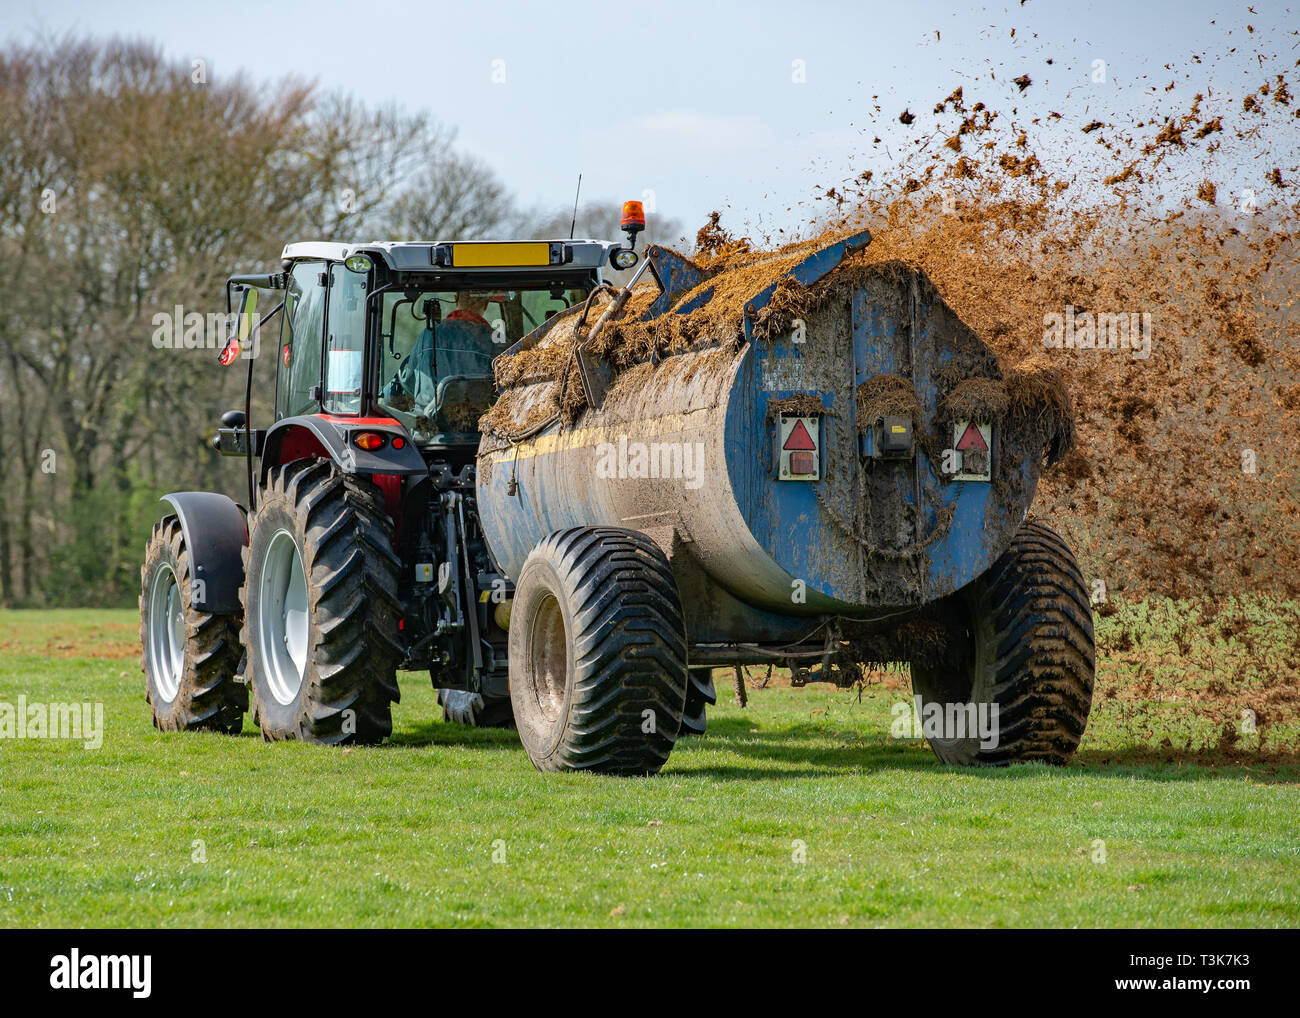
(623, 258)
(358, 263)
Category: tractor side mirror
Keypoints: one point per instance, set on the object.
(247, 313)
(245, 318)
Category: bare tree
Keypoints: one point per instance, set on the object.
(130, 190)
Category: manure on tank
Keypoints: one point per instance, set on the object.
(789, 302)
(542, 362)
(570, 394)
(982, 400)
(1038, 399)
(733, 276)
(501, 420)
(886, 396)
(804, 404)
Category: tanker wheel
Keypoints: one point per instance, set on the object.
(461, 707)
(190, 658)
(597, 653)
(1025, 640)
(320, 609)
(699, 694)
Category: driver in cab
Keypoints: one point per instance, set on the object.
(464, 343)
(465, 339)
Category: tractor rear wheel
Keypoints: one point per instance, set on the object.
(1025, 639)
(320, 607)
(190, 658)
(597, 653)
(461, 707)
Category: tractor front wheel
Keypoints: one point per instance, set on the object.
(189, 657)
(320, 607)
(597, 653)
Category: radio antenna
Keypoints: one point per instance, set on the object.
(574, 225)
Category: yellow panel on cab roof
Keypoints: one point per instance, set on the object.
(498, 254)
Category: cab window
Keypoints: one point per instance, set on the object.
(300, 353)
(436, 349)
(345, 329)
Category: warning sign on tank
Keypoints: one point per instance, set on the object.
(973, 444)
(798, 449)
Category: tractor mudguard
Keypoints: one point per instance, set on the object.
(215, 534)
(322, 435)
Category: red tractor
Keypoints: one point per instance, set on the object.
(360, 552)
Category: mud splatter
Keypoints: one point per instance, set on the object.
(1179, 468)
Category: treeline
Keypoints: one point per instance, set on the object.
(130, 184)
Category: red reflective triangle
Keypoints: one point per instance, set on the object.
(799, 438)
(972, 439)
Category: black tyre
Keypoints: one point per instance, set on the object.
(190, 658)
(320, 607)
(1025, 633)
(597, 653)
(700, 694)
(461, 707)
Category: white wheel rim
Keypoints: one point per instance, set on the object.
(282, 617)
(166, 633)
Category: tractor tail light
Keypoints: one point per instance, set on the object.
(369, 440)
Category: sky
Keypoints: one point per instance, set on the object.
(691, 107)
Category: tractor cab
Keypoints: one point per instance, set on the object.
(408, 331)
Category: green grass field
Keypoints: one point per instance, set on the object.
(446, 825)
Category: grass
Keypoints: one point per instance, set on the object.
(201, 830)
